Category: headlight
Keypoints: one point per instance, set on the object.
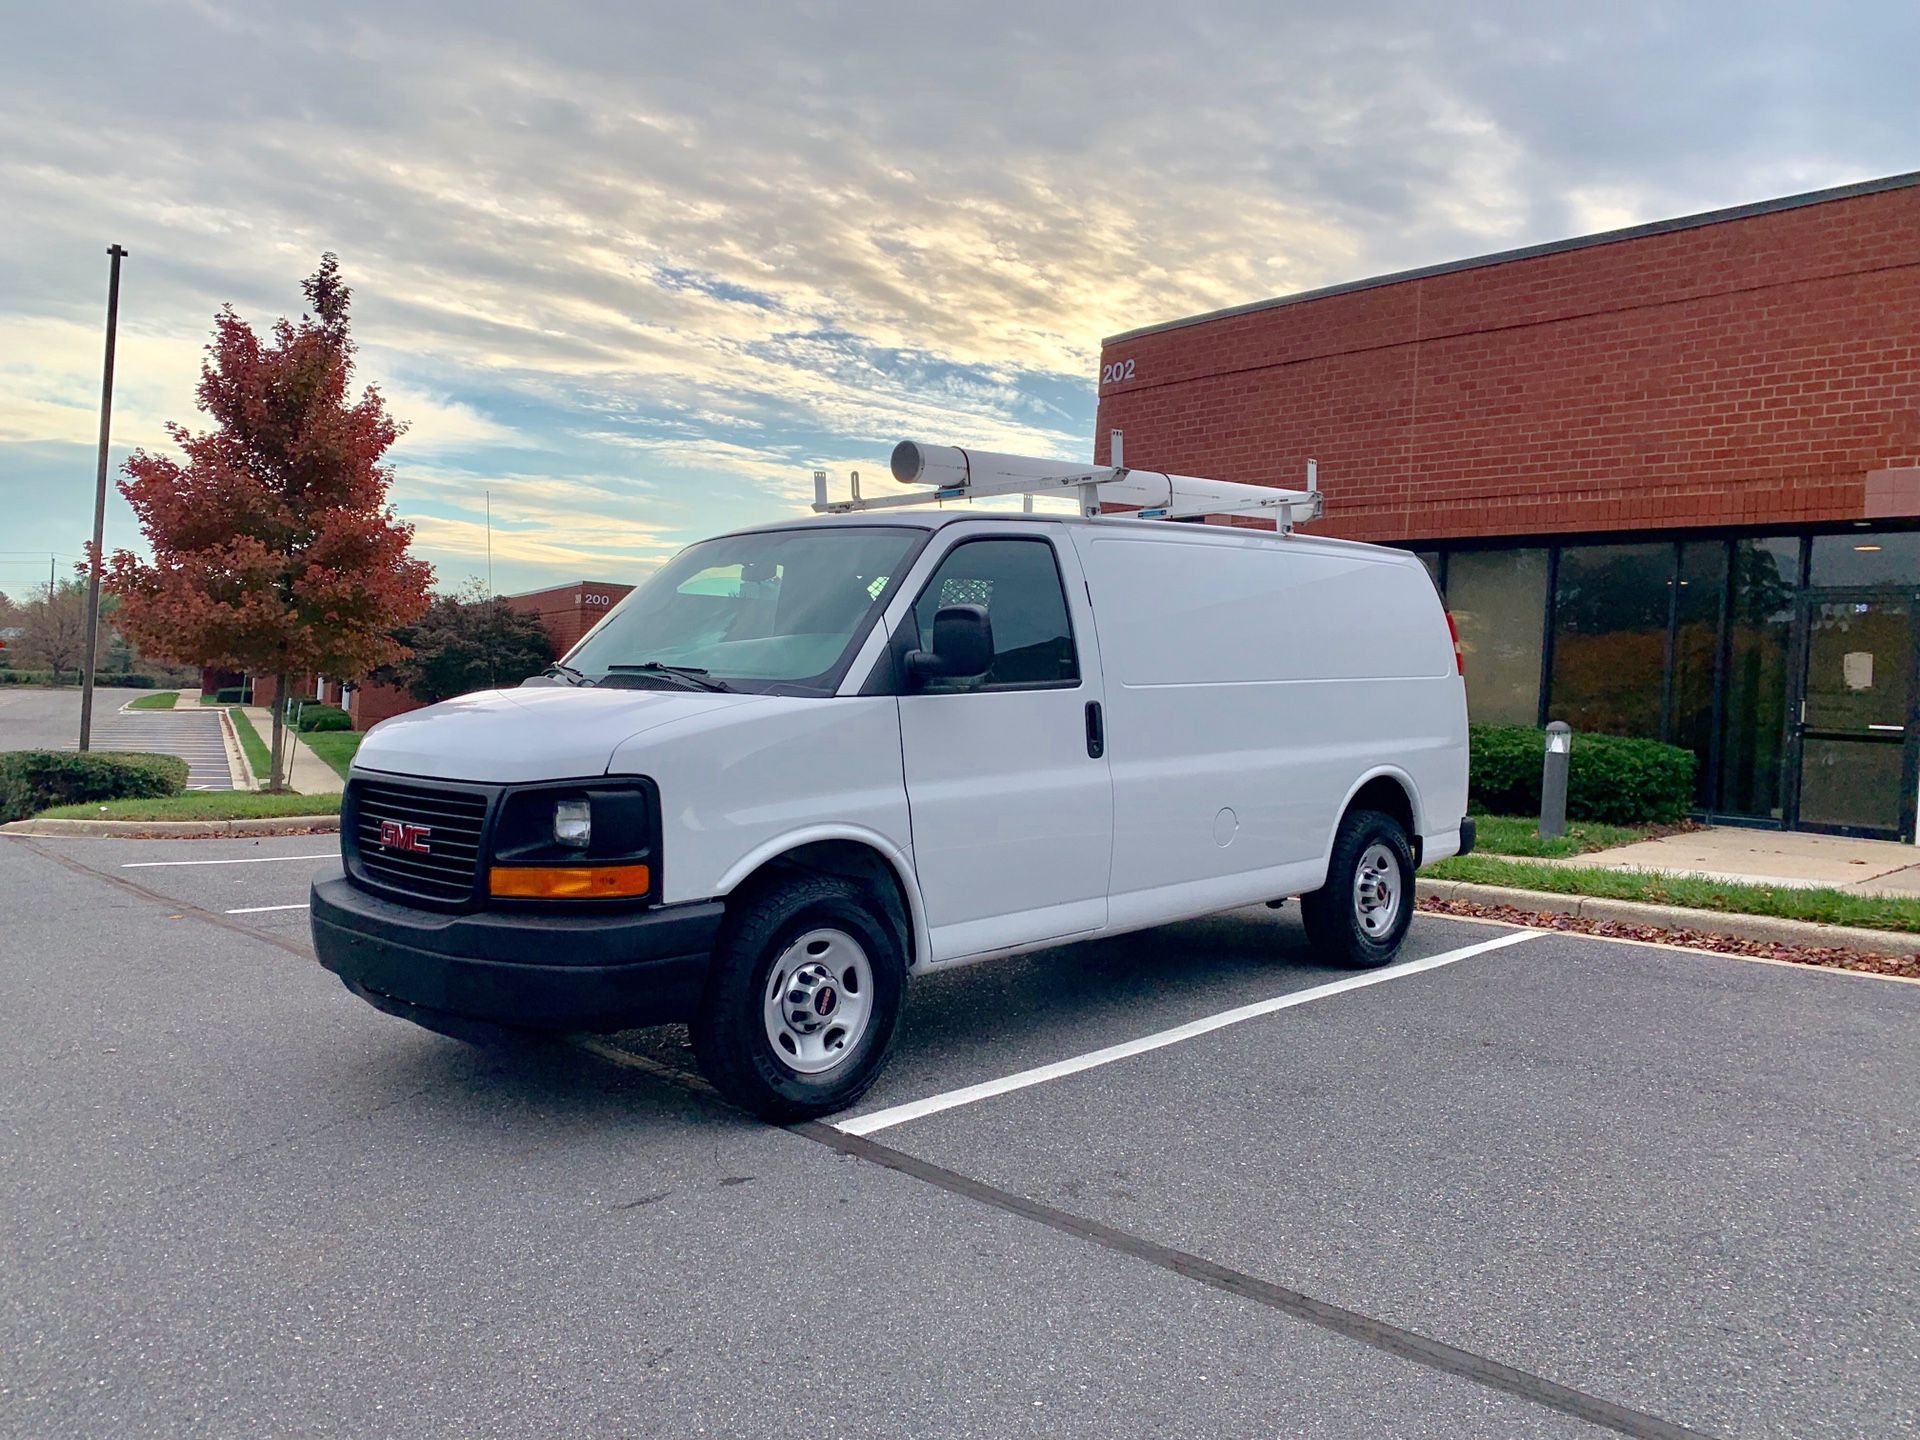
(573, 823)
(576, 840)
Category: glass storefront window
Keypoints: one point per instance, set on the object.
(1498, 600)
(1702, 584)
(1766, 575)
(1610, 638)
(1866, 557)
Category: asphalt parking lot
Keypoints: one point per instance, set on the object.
(33, 718)
(1555, 1187)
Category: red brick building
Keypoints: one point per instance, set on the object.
(566, 612)
(569, 611)
(1668, 478)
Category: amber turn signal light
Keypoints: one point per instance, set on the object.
(569, 882)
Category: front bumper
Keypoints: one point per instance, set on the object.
(528, 971)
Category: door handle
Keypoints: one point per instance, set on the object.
(1096, 731)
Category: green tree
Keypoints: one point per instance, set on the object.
(465, 642)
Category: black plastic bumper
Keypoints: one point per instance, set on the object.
(1468, 831)
(527, 971)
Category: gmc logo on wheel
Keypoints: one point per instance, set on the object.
(405, 835)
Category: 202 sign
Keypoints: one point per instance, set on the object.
(1116, 372)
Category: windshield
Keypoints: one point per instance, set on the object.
(779, 610)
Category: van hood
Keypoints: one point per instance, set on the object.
(507, 737)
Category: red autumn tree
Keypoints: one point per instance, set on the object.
(274, 548)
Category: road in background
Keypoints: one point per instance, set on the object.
(195, 735)
(35, 719)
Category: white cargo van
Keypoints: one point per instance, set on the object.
(803, 763)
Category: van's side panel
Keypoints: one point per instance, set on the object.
(729, 788)
(1252, 684)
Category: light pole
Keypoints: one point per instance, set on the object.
(100, 503)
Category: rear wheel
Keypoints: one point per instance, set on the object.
(1360, 916)
(800, 1010)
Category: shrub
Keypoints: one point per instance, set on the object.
(233, 695)
(127, 681)
(1612, 778)
(324, 717)
(27, 677)
(36, 780)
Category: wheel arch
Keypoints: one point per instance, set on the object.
(1391, 791)
(849, 851)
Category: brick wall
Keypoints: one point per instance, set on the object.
(568, 611)
(1745, 372)
(370, 703)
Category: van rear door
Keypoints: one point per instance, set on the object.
(1007, 780)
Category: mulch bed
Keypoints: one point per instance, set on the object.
(223, 834)
(1907, 966)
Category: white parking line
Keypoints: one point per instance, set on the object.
(262, 909)
(247, 860)
(1040, 1074)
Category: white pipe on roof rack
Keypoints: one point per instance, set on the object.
(958, 473)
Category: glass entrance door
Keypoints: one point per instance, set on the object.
(1855, 736)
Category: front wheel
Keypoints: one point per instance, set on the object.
(1360, 916)
(805, 992)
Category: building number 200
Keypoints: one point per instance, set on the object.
(1117, 371)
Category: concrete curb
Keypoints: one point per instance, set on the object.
(239, 768)
(1763, 928)
(156, 829)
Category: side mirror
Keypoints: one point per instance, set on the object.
(962, 646)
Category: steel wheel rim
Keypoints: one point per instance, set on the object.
(818, 1001)
(1377, 891)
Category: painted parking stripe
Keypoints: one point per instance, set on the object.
(263, 909)
(246, 860)
(195, 736)
(1040, 1074)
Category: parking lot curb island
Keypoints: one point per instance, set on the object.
(175, 829)
(1765, 929)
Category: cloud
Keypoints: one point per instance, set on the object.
(701, 249)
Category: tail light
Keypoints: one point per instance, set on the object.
(1459, 655)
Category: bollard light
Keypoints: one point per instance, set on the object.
(1553, 780)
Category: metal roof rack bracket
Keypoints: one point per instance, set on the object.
(956, 474)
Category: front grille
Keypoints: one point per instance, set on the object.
(456, 821)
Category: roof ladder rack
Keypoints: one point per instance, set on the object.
(956, 474)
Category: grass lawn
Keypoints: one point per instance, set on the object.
(159, 700)
(1520, 835)
(336, 747)
(258, 755)
(1832, 907)
(199, 805)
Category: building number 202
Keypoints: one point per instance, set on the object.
(1119, 370)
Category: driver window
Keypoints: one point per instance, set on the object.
(1018, 583)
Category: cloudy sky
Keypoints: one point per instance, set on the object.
(636, 268)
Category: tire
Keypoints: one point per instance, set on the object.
(797, 959)
(1355, 919)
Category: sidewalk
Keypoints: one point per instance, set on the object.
(1768, 857)
(307, 772)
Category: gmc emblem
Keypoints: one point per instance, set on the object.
(405, 835)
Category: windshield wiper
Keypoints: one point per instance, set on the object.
(567, 673)
(692, 677)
